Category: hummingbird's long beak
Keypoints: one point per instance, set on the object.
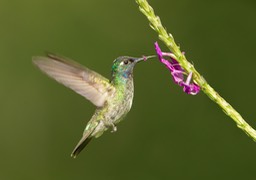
(144, 58)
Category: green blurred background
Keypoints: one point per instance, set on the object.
(167, 134)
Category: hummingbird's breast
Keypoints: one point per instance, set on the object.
(121, 102)
(117, 105)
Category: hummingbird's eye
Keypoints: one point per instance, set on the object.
(126, 61)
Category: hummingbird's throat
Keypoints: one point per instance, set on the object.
(121, 78)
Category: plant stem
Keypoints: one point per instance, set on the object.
(155, 23)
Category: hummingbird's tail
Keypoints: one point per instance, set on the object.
(84, 140)
(88, 134)
(81, 145)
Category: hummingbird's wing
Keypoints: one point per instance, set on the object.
(82, 80)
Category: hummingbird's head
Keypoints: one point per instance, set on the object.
(124, 65)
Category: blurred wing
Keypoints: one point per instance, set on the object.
(82, 80)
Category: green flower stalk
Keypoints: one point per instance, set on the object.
(168, 40)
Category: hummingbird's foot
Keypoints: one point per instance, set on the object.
(111, 125)
(114, 128)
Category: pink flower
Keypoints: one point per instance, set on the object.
(177, 72)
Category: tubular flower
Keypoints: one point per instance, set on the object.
(177, 72)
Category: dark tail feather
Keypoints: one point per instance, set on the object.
(80, 146)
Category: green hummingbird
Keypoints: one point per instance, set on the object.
(113, 98)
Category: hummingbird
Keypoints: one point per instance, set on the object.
(112, 97)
